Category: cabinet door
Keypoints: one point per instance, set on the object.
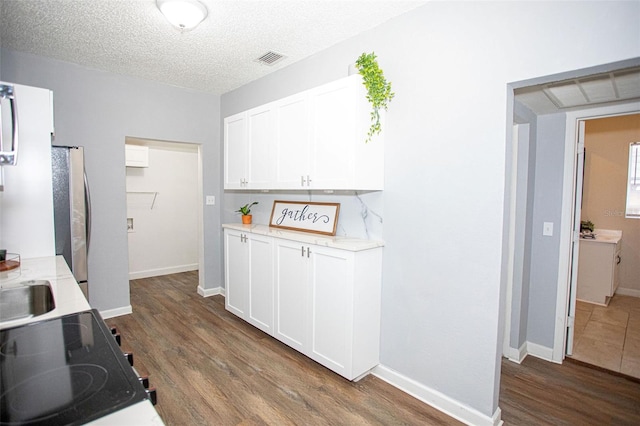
(333, 135)
(260, 312)
(261, 147)
(291, 294)
(331, 328)
(235, 151)
(292, 142)
(236, 268)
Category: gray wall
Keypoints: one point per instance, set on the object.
(547, 207)
(98, 110)
(450, 63)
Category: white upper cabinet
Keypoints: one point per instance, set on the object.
(136, 156)
(312, 140)
(292, 141)
(260, 145)
(235, 151)
(249, 149)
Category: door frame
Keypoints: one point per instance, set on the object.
(569, 210)
(155, 142)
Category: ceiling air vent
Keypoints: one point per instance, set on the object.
(270, 58)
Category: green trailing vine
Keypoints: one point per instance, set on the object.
(378, 89)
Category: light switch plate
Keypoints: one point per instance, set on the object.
(547, 229)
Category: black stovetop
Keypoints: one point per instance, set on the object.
(63, 371)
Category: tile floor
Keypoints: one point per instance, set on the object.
(609, 337)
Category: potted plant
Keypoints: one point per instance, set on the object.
(246, 212)
(378, 89)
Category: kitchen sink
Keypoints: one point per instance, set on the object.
(30, 299)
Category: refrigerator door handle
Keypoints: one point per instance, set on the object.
(10, 157)
(87, 196)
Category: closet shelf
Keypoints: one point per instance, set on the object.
(154, 193)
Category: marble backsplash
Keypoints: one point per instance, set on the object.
(360, 216)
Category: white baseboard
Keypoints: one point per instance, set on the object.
(163, 271)
(540, 351)
(208, 292)
(437, 399)
(112, 313)
(628, 292)
(517, 355)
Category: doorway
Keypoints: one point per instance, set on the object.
(537, 304)
(164, 208)
(605, 332)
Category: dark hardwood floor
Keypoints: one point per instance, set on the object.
(211, 368)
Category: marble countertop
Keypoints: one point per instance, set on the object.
(343, 243)
(69, 299)
(609, 236)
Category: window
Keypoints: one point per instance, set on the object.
(633, 184)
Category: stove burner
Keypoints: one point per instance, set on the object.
(58, 390)
(63, 371)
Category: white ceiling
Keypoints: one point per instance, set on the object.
(132, 37)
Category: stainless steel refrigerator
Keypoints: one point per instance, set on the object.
(72, 210)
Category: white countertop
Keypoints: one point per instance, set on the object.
(67, 296)
(68, 299)
(609, 236)
(343, 243)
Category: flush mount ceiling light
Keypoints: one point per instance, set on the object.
(183, 14)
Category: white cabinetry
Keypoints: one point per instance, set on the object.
(292, 141)
(340, 156)
(326, 300)
(291, 294)
(312, 140)
(249, 149)
(136, 156)
(235, 151)
(249, 278)
(598, 269)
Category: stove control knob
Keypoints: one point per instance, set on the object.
(151, 393)
(129, 357)
(118, 339)
(144, 380)
(113, 330)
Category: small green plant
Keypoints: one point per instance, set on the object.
(586, 225)
(246, 209)
(379, 92)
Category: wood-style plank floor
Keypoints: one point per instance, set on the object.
(211, 368)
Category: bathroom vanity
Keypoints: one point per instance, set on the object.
(598, 266)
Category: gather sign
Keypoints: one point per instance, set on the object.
(319, 218)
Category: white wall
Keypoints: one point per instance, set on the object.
(450, 63)
(163, 202)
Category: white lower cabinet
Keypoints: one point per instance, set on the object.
(326, 302)
(598, 270)
(249, 278)
(291, 294)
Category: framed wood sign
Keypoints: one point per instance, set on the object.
(319, 218)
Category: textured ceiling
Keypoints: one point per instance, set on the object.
(132, 37)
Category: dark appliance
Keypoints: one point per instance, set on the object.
(64, 371)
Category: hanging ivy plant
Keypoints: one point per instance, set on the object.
(378, 89)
